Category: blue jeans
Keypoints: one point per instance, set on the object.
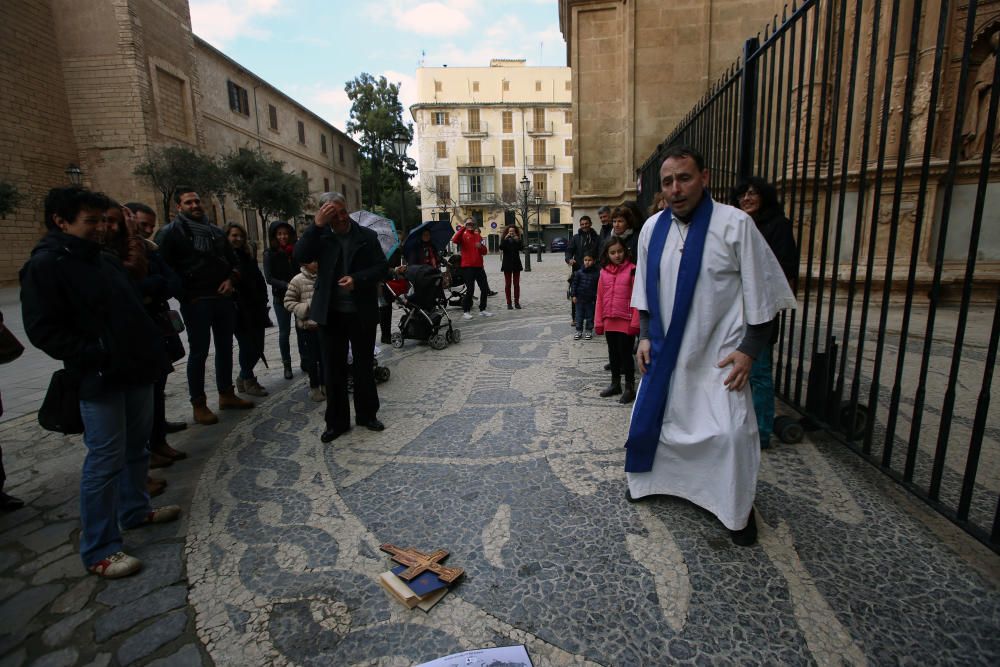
(205, 319)
(584, 315)
(113, 482)
(762, 389)
(284, 319)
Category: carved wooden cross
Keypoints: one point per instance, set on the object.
(417, 562)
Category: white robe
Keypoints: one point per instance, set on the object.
(709, 450)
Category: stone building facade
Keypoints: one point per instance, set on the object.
(482, 130)
(638, 67)
(241, 110)
(99, 85)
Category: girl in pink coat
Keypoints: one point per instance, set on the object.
(616, 319)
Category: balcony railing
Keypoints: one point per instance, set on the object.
(516, 198)
(477, 198)
(475, 129)
(476, 161)
(536, 162)
(539, 130)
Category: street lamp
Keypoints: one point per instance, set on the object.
(73, 173)
(525, 185)
(399, 144)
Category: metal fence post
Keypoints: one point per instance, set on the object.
(748, 109)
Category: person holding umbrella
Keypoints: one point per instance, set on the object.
(351, 263)
(251, 311)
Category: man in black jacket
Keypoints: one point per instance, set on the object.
(198, 251)
(80, 307)
(345, 305)
(586, 240)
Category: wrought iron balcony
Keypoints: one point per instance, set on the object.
(539, 130)
(475, 129)
(465, 198)
(476, 161)
(536, 162)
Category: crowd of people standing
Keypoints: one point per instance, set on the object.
(97, 290)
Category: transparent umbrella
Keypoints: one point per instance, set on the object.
(384, 227)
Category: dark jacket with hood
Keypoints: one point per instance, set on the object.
(279, 266)
(366, 264)
(202, 269)
(251, 295)
(80, 307)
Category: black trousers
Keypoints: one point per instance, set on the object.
(620, 354)
(312, 355)
(159, 434)
(340, 330)
(474, 275)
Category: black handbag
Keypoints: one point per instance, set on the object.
(60, 411)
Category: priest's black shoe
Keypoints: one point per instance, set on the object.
(373, 425)
(628, 496)
(332, 434)
(747, 536)
(174, 427)
(607, 366)
(491, 293)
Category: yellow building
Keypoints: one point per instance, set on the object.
(483, 133)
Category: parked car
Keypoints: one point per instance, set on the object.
(536, 247)
(558, 244)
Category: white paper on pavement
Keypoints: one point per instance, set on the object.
(509, 656)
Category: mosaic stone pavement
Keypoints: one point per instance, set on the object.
(499, 450)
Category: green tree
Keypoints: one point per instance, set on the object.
(10, 198)
(172, 166)
(260, 182)
(376, 119)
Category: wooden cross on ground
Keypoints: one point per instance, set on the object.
(417, 563)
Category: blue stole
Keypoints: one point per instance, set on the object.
(651, 402)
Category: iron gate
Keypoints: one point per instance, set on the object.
(877, 122)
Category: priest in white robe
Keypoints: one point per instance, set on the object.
(708, 288)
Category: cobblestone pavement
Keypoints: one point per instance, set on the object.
(499, 450)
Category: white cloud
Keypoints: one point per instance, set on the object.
(220, 21)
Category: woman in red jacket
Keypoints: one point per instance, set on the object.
(472, 247)
(615, 318)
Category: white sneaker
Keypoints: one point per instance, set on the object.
(485, 313)
(466, 316)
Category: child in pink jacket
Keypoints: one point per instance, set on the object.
(616, 319)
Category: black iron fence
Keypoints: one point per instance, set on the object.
(877, 122)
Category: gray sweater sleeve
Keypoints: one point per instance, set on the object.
(756, 337)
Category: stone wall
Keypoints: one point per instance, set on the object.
(36, 138)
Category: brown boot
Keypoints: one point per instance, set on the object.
(159, 461)
(228, 400)
(202, 414)
(163, 449)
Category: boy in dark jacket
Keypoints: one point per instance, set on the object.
(80, 307)
(583, 289)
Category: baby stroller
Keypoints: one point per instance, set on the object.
(455, 281)
(424, 317)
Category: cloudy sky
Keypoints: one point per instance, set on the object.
(310, 48)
